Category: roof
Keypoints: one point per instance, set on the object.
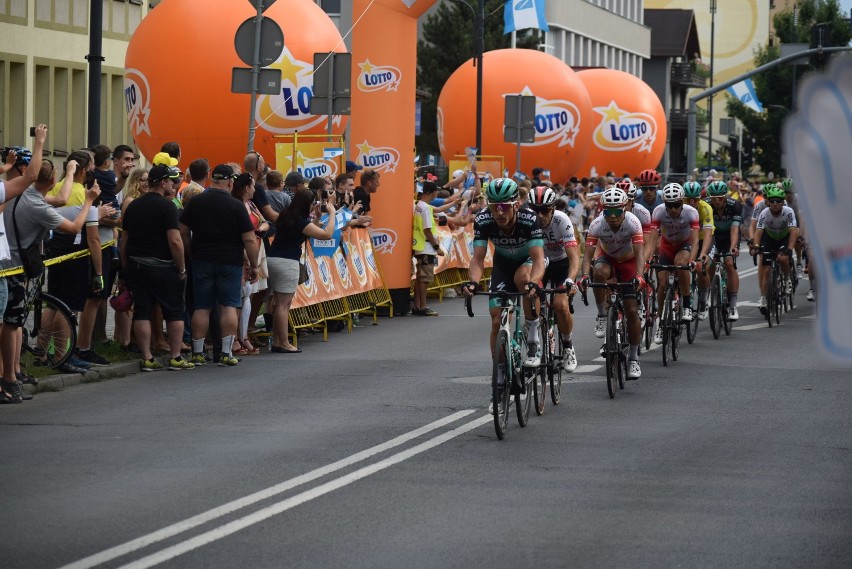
(673, 33)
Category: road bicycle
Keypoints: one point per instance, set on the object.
(50, 327)
(694, 302)
(775, 291)
(510, 348)
(647, 298)
(615, 340)
(552, 353)
(719, 307)
(670, 317)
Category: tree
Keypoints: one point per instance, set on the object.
(448, 42)
(774, 87)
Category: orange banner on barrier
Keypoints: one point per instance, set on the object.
(458, 248)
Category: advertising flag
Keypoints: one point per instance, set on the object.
(523, 14)
(745, 93)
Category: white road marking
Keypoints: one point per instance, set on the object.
(752, 326)
(284, 505)
(230, 507)
(586, 369)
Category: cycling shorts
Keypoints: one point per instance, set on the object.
(669, 250)
(555, 273)
(624, 272)
(503, 277)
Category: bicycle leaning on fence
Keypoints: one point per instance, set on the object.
(50, 327)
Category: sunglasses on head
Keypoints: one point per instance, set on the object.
(541, 208)
(775, 200)
(613, 212)
(501, 206)
(673, 205)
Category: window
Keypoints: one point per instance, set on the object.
(62, 15)
(13, 90)
(121, 17)
(13, 11)
(331, 6)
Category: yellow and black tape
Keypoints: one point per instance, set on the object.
(55, 260)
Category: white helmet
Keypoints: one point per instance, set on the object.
(629, 188)
(673, 192)
(613, 197)
(542, 196)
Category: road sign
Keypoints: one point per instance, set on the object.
(519, 121)
(269, 82)
(332, 84)
(271, 41)
(266, 3)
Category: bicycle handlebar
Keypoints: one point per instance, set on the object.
(688, 267)
(501, 294)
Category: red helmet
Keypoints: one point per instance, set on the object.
(542, 196)
(649, 178)
(122, 302)
(627, 186)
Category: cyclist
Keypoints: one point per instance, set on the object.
(692, 196)
(615, 242)
(649, 182)
(790, 196)
(678, 245)
(563, 256)
(727, 217)
(518, 259)
(777, 230)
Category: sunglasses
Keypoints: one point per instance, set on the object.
(775, 200)
(647, 188)
(613, 212)
(673, 205)
(502, 206)
(541, 208)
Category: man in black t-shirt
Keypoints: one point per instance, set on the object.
(152, 254)
(370, 182)
(218, 235)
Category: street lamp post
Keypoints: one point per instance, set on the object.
(710, 104)
(479, 49)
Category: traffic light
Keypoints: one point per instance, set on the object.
(748, 153)
(820, 37)
(734, 151)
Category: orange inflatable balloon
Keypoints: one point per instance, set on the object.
(563, 111)
(629, 131)
(177, 80)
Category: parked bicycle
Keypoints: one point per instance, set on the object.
(50, 327)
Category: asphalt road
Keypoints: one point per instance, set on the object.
(375, 450)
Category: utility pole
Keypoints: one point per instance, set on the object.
(710, 104)
(95, 58)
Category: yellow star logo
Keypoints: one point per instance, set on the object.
(611, 113)
(366, 67)
(364, 148)
(290, 69)
(300, 161)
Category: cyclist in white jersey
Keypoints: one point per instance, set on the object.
(777, 230)
(615, 242)
(634, 207)
(560, 248)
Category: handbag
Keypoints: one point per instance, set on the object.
(31, 257)
(303, 269)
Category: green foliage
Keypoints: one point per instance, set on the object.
(448, 42)
(774, 87)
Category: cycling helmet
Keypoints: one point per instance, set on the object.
(613, 197)
(773, 191)
(692, 189)
(787, 185)
(23, 155)
(542, 195)
(717, 189)
(502, 190)
(649, 178)
(673, 192)
(627, 187)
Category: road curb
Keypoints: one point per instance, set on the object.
(94, 375)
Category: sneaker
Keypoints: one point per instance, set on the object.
(92, 357)
(788, 286)
(702, 314)
(24, 377)
(658, 336)
(569, 360)
(761, 304)
(69, 367)
(228, 360)
(178, 363)
(686, 314)
(198, 359)
(25, 396)
(634, 372)
(600, 326)
(810, 295)
(533, 355)
(800, 272)
(10, 392)
(428, 312)
(151, 365)
(733, 314)
(77, 362)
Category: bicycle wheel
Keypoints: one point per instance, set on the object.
(666, 325)
(500, 392)
(770, 297)
(726, 319)
(650, 316)
(716, 307)
(50, 330)
(779, 299)
(621, 343)
(692, 327)
(539, 382)
(611, 352)
(523, 383)
(554, 370)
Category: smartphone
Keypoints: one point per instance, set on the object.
(32, 131)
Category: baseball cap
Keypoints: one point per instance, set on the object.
(294, 179)
(352, 166)
(159, 173)
(222, 172)
(457, 173)
(163, 159)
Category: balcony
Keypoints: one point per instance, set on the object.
(679, 120)
(685, 75)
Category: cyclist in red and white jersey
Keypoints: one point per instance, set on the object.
(640, 211)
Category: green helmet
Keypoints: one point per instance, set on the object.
(717, 189)
(773, 191)
(692, 190)
(787, 185)
(502, 190)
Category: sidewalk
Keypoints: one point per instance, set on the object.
(94, 375)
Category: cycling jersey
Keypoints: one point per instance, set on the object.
(516, 246)
(644, 216)
(557, 235)
(758, 209)
(640, 199)
(618, 244)
(777, 226)
(705, 216)
(675, 229)
(729, 216)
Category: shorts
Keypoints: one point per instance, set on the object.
(722, 242)
(107, 255)
(150, 285)
(624, 272)
(15, 312)
(4, 294)
(669, 250)
(425, 268)
(69, 282)
(712, 250)
(769, 245)
(283, 274)
(503, 278)
(216, 284)
(555, 273)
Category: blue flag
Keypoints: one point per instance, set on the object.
(745, 93)
(523, 14)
